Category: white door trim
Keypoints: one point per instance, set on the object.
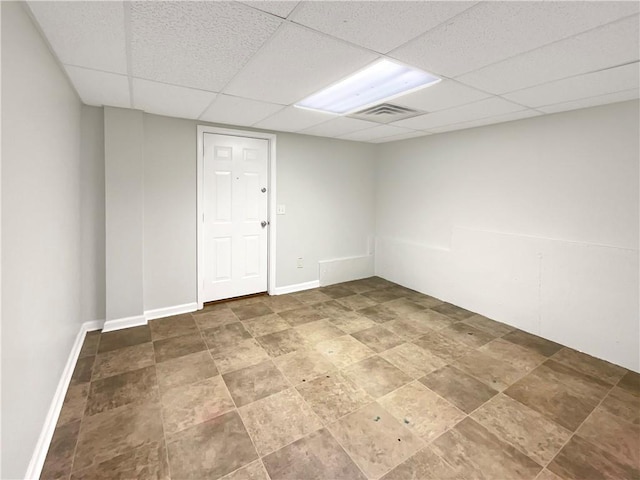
(271, 188)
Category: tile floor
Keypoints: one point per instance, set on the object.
(365, 379)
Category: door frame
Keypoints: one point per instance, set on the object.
(271, 203)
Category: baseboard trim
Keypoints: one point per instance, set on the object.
(46, 434)
(127, 322)
(169, 311)
(298, 287)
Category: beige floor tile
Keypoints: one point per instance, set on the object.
(214, 318)
(173, 326)
(453, 311)
(424, 465)
(423, 412)
(462, 390)
(253, 471)
(427, 320)
(356, 302)
(337, 291)
(300, 316)
(379, 313)
(466, 334)
(496, 373)
(315, 457)
(614, 435)
(580, 459)
(280, 303)
(547, 475)
(59, 459)
(188, 405)
(413, 360)
(303, 365)
(314, 332)
(116, 431)
(278, 420)
(530, 432)
(175, 347)
(310, 297)
(244, 354)
(382, 295)
(376, 376)
(605, 371)
(474, 452)
(210, 449)
(404, 329)
(624, 404)
(492, 327)
(253, 310)
(83, 370)
(331, 309)
(562, 394)
(90, 344)
(253, 383)
(283, 342)
(225, 337)
(118, 390)
(375, 440)
(378, 338)
(123, 360)
(185, 370)
(521, 358)
(533, 343)
(630, 382)
(124, 338)
(146, 462)
(333, 395)
(265, 325)
(343, 351)
(443, 346)
(403, 307)
(351, 322)
(75, 402)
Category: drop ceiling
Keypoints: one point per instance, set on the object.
(247, 63)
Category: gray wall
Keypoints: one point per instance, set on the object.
(92, 201)
(533, 223)
(41, 233)
(327, 186)
(124, 211)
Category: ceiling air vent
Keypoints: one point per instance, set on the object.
(385, 113)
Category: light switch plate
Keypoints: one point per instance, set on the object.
(281, 209)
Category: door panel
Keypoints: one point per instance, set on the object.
(235, 242)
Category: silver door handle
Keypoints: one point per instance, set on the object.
(264, 223)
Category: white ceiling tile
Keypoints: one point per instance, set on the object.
(494, 31)
(442, 95)
(465, 113)
(292, 119)
(100, 88)
(582, 86)
(170, 100)
(632, 94)
(378, 25)
(338, 126)
(279, 8)
(296, 63)
(238, 111)
(403, 136)
(195, 44)
(604, 47)
(488, 121)
(85, 34)
(375, 133)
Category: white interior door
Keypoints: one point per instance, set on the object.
(235, 219)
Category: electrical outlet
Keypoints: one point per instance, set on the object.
(299, 263)
(281, 210)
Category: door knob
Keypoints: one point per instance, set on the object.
(264, 223)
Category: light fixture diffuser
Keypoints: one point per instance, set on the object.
(376, 83)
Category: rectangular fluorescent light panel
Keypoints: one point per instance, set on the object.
(378, 82)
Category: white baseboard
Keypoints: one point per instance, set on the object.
(127, 322)
(346, 269)
(298, 287)
(169, 311)
(46, 434)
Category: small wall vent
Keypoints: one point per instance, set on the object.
(385, 113)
